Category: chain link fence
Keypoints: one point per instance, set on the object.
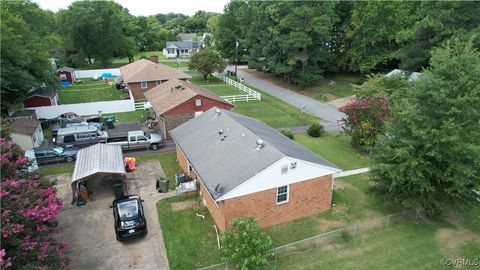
(325, 240)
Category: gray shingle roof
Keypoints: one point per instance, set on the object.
(183, 44)
(231, 158)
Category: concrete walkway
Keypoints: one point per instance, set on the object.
(328, 113)
(351, 172)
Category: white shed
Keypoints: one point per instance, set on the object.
(27, 133)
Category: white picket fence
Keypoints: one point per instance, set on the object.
(235, 98)
(254, 95)
(82, 74)
(90, 108)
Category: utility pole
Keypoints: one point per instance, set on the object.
(236, 49)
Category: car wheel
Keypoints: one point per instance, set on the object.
(69, 159)
(154, 146)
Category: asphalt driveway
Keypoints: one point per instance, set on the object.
(89, 232)
(328, 113)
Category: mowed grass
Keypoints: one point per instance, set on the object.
(336, 148)
(88, 91)
(190, 240)
(44, 171)
(270, 110)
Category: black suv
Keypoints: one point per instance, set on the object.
(50, 154)
(129, 217)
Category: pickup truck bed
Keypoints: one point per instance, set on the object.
(121, 130)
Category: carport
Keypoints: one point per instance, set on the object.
(99, 162)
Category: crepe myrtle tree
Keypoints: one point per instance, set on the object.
(29, 211)
(207, 61)
(246, 244)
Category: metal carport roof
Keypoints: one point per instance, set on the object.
(98, 158)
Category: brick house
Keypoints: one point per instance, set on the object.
(247, 168)
(143, 75)
(175, 102)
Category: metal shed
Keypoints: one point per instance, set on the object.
(98, 162)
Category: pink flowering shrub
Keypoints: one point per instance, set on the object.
(364, 119)
(29, 210)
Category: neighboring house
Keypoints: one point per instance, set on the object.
(181, 49)
(143, 75)
(26, 114)
(247, 168)
(175, 102)
(27, 133)
(410, 76)
(66, 74)
(42, 97)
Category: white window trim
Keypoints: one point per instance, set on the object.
(198, 102)
(146, 85)
(288, 195)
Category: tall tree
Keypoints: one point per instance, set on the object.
(430, 159)
(28, 35)
(206, 62)
(95, 30)
(435, 21)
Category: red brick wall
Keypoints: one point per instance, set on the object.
(215, 210)
(306, 198)
(37, 101)
(182, 161)
(189, 106)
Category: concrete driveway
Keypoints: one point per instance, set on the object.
(89, 230)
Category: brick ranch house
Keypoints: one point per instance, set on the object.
(143, 75)
(247, 168)
(175, 102)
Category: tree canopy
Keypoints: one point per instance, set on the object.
(206, 62)
(430, 158)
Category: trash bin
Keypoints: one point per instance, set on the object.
(109, 124)
(179, 178)
(162, 184)
(44, 122)
(117, 186)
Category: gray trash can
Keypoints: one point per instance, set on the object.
(179, 178)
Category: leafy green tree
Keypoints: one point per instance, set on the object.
(206, 62)
(372, 41)
(246, 244)
(434, 22)
(28, 37)
(430, 158)
(96, 29)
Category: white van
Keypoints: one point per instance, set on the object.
(80, 135)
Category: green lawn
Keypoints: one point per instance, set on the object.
(190, 240)
(44, 171)
(271, 110)
(336, 149)
(88, 91)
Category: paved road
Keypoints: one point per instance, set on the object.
(328, 113)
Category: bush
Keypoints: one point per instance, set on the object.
(287, 133)
(315, 130)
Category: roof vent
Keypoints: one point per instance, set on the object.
(217, 112)
(220, 132)
(259, 144)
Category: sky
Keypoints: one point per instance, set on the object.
(150, 7)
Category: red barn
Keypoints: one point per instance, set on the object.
(175, 102)
(66, 74)
(41, 97)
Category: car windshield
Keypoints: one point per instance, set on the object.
(59, 150)
(128, 210)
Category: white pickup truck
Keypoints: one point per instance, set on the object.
(136, 140)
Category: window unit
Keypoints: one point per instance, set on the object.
(198, 102)
(282, 194)
(144, 85)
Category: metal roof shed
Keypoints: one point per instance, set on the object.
(98, 159)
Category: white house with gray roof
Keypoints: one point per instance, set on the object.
(245, 167)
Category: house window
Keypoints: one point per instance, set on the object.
(63, 77)
(198, 102)
(144, 85)
(158, 82)
(282, 194)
